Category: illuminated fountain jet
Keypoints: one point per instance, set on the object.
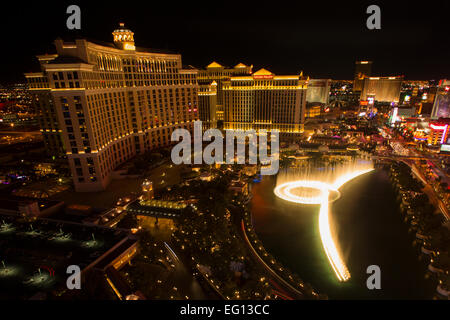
(321, 186)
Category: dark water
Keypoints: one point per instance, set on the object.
(369, 229)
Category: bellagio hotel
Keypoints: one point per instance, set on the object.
(112, 101)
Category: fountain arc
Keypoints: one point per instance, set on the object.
(286, 191)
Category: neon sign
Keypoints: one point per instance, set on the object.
(436, 127)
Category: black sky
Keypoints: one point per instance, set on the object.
(320, 37)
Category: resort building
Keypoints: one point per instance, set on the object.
(265, 101)
(363, 69)
(439, 132)
(44, 106)
(381, 89)
(211, 90)
(112, 102)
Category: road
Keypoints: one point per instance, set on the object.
(280, 287)
(182, 279)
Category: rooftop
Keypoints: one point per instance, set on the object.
(37, 253)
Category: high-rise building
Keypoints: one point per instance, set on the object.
(211, 79)
(363, 69)
(439, 132)
(207, 105)
(441, 106)
(265, 101)
(114, 101)
(318, 91)
(44, 106)
(382, 89)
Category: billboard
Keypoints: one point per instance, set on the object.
(445, 147)
(441, 108)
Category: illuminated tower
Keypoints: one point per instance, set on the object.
(363, 69)
(211, 84)
(147, 190)
(265, 101)
(441, 107)
(123, 38)
(112, 102)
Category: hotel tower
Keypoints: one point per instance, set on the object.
(211, 90)
(265, 101)
(112, 102)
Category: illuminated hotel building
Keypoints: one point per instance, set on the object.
(318, 91)
(382, 89)
(441, 106)
(439, 132)
(44, 106)
(217, 73)
(265, 101)
(114, 101)
(363, 69)
(207, 105)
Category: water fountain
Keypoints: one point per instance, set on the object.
(6, 227)
(305, 185)
(319, 184)
(91, 243)
(7, 271)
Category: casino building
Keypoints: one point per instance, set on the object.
(112, 102)
(439, 132)
(382, 89)
(211, 82)
(441, 106)
(44, 106)
(266, 101)
(207, 105)
(363, 69)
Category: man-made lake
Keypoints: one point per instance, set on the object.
(368, 230)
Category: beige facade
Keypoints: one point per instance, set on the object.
(207, 105)
(265, 101)
(115, 101)
(363, 69)
(382, 89)
(211, 82)
(44, 106)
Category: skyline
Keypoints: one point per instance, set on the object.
(324, 43)
(234, 154)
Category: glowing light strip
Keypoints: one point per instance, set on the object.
(347, 177)
(338, 265)
(444, 134)
(283, 191)
(436, 127)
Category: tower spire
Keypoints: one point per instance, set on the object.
(124, 38)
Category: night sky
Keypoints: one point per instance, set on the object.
(321, 38)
